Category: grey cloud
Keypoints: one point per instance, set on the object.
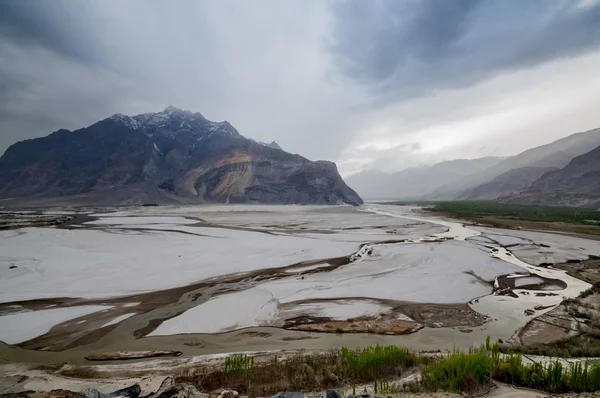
(402, 49)
(55, 25)
(261, 68)
(274, 70)
(409, 147)
(416, 146)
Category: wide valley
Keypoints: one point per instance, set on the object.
(229, 278)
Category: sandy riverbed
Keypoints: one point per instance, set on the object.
(211, 279)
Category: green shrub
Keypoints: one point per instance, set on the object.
(384, 388)
(460, 371)
(374, 362)
(554, 377)
(238, 364)
(466, 372)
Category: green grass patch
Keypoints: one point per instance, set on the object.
(483, 208)
(553, 378)
(237, 364)
(581, 346)
(375, 362)
(460, 371)
(469, 372)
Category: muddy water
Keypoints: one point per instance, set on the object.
(507, 314)
(455, 230)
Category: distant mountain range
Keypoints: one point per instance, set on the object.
(417, 182)
(494, 178)
(577, 184)
(169, 156)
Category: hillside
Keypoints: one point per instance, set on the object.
(513, 181)
(516, 173)
(474, 179)
(577, 184)
(415, 182)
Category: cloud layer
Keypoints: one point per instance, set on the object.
(384, 83)
(407, 49)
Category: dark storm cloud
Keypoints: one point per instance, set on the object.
(403, 49)
(52, 66)
(54, 25)
(68, 64)
(273, 69)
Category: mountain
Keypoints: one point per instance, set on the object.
(577, 184)
(416, 182)
(522, 167)
(513, 181)
(273, 144)
(484, 178)
(169, 156)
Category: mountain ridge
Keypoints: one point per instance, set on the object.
(556, 154)
(476, 181)
(415, 181)
(173, 155)
(577, 184)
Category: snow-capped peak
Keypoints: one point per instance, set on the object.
(273, 144)
(171, 109)
(126, 120)
(173, 122)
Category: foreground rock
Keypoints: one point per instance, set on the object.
(223, 393)
(169, 156)
(129, 392)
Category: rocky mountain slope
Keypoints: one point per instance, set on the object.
(416, 182)
(516, 173)
(577, 184)
(513, 181)
(173, 155)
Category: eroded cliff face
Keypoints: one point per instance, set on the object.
(172, 155)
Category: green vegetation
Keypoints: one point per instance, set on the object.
(554, 378)
(457, 371)
(372, 363)
(238, 363)
(585, 345)
(375, 364)
(483, 208)
(384, 388)
(470, 371)
(460, 371)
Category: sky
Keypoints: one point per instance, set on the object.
(383, 84)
